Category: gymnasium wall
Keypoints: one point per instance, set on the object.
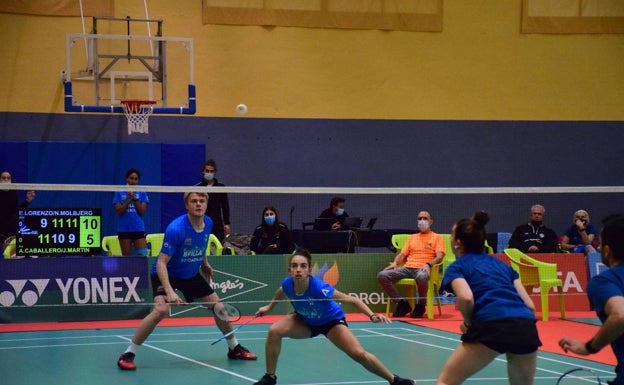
(478, 104)
(480, 67)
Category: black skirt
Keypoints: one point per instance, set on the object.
(508, 335)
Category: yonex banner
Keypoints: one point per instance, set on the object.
(73, 288)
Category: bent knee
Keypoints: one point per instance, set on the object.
(382, 276)
(274, 333)
(161, 310)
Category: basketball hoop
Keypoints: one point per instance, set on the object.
(138, 112)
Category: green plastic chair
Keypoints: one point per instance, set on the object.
(398, 241)
(110, 245)
(155, 242)
(9, 248)
(214, 246)
(536, 273)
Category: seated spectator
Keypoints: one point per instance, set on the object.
(9, 207)
(421, 251)
(534, 237)
(272, 236)
(579, 237)
(335, 211)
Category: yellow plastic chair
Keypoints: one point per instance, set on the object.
(214, 246)
(433, 292)
(536, 273)
(155, 241)
(398, 241)
(449, 257)
(110, 245)
(488, 248)
(9, 248)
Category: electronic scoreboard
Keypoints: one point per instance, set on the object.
(59, 232)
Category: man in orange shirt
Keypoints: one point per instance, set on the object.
(421, 251)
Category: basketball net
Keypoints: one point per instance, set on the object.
(138, 112)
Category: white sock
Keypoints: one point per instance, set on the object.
(131, 348)
(232, 342)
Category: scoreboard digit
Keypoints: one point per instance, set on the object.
(90, 226)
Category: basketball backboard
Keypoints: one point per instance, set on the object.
(128, 59)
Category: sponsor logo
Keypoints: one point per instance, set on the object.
(23, 290)
(331, 275)
(80, 290)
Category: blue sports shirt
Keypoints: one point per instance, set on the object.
(491, 282)
(312, 311)
(607, 284)
(575, 237)
(130, 220)
(185, 246)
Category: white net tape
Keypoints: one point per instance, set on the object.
(138, 116)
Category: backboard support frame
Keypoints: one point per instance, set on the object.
(145, 67)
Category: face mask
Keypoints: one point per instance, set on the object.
(208, 175)
(423, 225)
(339, 211)
(269, 220)
(536, 223)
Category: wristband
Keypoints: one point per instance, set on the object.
(371, 316)
(590, 349)
(429, 264)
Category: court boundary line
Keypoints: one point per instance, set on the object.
(500, 358)
(190, 359)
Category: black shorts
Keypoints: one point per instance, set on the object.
(191, 288)
(132, 235)
(509, 335)
(325, 328)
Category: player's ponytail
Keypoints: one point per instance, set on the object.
(471, 232)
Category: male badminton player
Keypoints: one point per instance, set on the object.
(178, 267)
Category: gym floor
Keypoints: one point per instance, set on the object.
(179, 352)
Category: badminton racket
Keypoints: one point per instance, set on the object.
(223, 310)
(226, 335)
(579, 376)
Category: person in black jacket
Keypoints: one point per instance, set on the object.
(9, 206)
(336, 212)
(534, 237)
(218, 204)
(272, 236)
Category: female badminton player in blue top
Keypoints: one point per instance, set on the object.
(131, 207)
(316, 312)
(497, 310)
(178, 266)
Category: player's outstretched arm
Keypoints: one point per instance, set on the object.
(279, 295)
(342, 297)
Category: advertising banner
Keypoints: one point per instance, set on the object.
(73, 288)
